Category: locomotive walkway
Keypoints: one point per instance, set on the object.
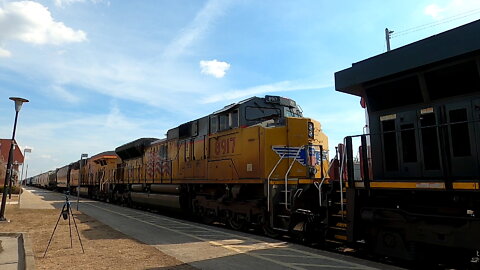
(210, 247)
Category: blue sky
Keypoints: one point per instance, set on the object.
(102, 73)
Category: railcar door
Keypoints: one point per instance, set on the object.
(389, 145)
(401, 157)
(409, 160)
(461, 139)
(430, 143)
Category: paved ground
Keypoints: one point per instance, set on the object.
(208, 247)
(9, 252)
(33, 199)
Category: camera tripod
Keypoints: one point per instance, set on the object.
(66, 213)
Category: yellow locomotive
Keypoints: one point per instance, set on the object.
(258, 161)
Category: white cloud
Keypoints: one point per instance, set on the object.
(32, 22)
(433, 10)
(455, 9)
(63, 3)
(262, 89)
(200, 24)
(214, 68)
(5, 53)
(63, 94)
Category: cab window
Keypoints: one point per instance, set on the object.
(213, 124)
(234, 119)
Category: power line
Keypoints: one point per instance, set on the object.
(433, 24)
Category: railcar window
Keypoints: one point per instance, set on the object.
(194, 128)
(184, 130)
(163, 151)
(393, 94)
(234, 119)
(223, 122)
(259, 113)
(431, 157)
(459, 133)
(453, 80)
(213, 124)
(390, 145)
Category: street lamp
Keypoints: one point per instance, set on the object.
(18, 105)
(25, 150)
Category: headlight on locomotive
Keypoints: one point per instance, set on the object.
(311, 130)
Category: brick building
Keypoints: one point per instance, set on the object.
(17, 159)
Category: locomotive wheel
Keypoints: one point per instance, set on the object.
(270, 232)
(206, 216)
(237, 222)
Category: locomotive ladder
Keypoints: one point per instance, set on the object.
(337, 224)
(287, 198)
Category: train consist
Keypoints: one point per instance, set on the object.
(254, 163)
(260, 163)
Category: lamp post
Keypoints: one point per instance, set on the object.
(80, 177)
(25, 151)
(18, 105)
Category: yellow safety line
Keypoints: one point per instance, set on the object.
(421, 185)
(330, 266)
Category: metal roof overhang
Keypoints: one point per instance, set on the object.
(450, 44)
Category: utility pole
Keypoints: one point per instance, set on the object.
(387, 38)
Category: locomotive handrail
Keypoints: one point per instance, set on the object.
(319, 185)
(288, 171)
(268, 181)
(286, 176)
(342, 164)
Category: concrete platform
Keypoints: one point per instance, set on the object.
(15, 249)
(208, 247)
(35, 199)
(16, 252)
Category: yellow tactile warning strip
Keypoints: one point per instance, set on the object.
(279, 253)
(419, 185)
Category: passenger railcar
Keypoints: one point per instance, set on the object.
(419, 196)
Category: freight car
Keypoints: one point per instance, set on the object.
(52, 179)
(419, 195)
(41, 180)
(63, 175)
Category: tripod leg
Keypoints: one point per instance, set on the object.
(76, 228)
(70, 229)
(51, 237)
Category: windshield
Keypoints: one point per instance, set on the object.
(292, 112)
